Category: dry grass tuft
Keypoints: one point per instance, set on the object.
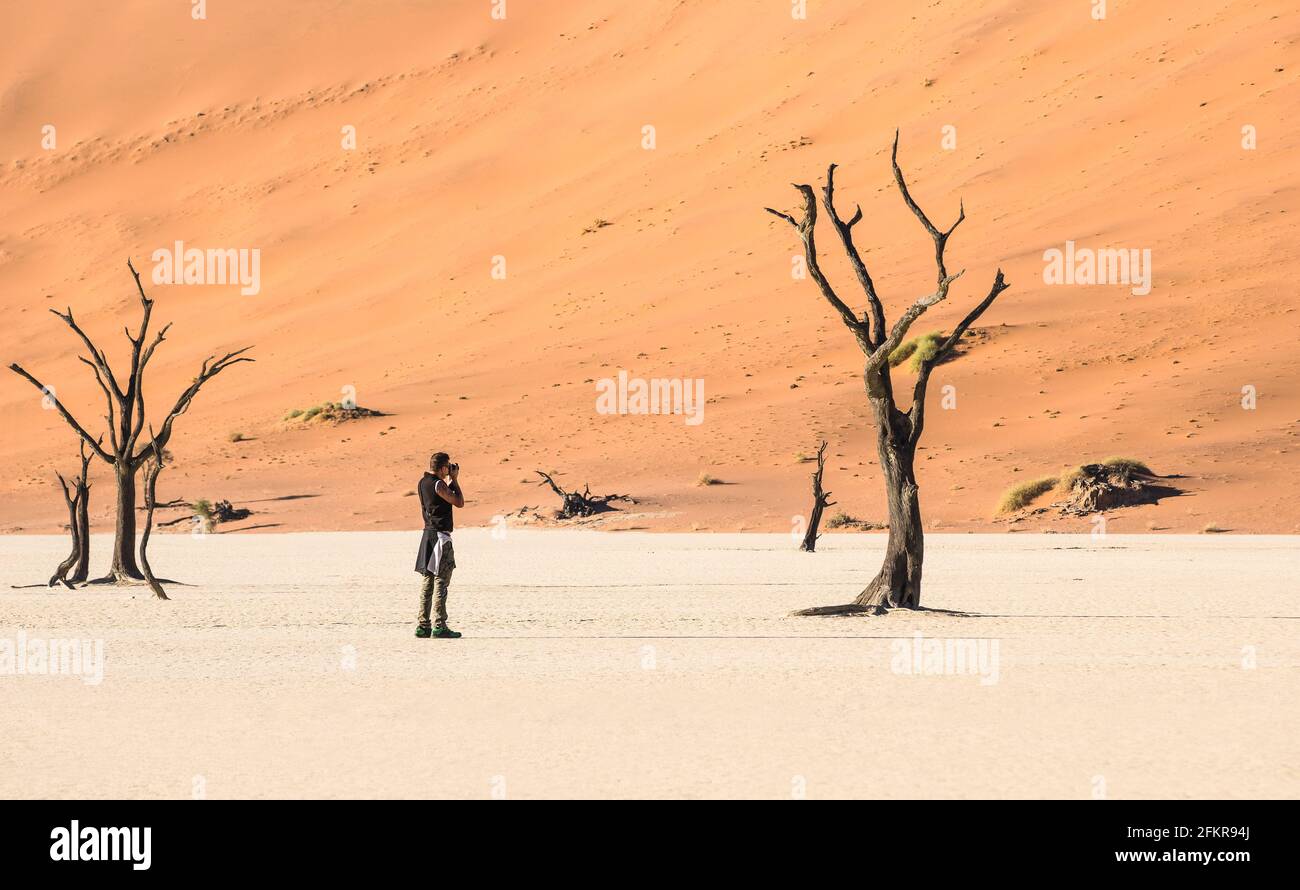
(1021, 495)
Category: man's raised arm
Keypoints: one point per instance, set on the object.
(450, 492)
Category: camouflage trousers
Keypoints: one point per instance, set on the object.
(433, 589)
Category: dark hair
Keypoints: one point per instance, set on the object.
(439, 460)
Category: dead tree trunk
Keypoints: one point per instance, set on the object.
(60, 575)
(82, 571)
(898, 583)
(82, 483)
(821, 500)
(124, 564)
(75, 568)
(152, 468)
(125, 420)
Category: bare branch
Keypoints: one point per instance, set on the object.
(138, 386)
(546, 477)
(63, 412)
(153, 467)
(209, 370)
(917, 411)
(84, 479)
(896, 334)
(133, 404)
(148, 353)
(807, 228)
(940, 238)
(785, 216)
(101, 360)
(999, 285)
(108, 400)
(845, 230)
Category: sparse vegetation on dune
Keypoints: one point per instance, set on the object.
(1022, 494)
(1114, 482)
(917, 350)
(332, 412)
(1067, 479)
(1133, 466)
(706, 479)
(1071, 477)
(843, 520)
(925, 347)
(902, 353)
(203, 509)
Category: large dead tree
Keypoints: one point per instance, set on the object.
(898, 584)
(125, 420)
(821, 500)
(77, 498)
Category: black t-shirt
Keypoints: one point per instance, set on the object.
(436, 509)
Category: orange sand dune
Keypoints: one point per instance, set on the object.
(479, 138)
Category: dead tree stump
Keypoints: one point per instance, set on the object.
(821, 500)
(575, 504)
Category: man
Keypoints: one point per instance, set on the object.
(439, 493)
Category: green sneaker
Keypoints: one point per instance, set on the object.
(423, 633)
(446, 633)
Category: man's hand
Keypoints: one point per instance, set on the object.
(455, 471)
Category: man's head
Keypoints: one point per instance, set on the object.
(440, 463)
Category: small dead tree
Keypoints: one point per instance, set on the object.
(576, 504)
(898, 583)
(77, 499)
(152, 467)
(60, 575)
(82, 571)
(125, 420)
(821, 500)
